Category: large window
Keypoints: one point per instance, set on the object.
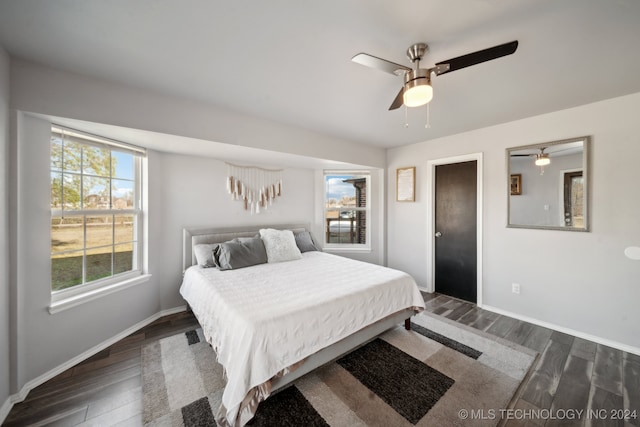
(95, 211)
(346, 209)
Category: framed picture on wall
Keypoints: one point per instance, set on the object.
(406, 184)
(516, 184)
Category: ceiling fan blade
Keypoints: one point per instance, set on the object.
(560, 151)
(380, 64)
(398, 101)
(477, 57)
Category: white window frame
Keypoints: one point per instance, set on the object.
(347, 247)
(72, 296)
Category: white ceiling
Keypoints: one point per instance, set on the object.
(289, 61)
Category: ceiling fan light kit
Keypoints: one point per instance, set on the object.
(542, 159)
(417, 88)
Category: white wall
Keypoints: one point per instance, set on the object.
(579, 281)
(4, 232)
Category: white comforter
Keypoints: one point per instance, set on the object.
(263, 319)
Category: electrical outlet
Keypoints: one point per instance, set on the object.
(515, 288)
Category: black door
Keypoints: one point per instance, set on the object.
(456, 227)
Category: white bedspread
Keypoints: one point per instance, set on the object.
(263, 319)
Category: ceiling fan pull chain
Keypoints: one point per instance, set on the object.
(406, 120)
(428, 124)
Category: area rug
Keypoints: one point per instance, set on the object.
(439, 373)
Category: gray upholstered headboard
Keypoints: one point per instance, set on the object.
(192, 237)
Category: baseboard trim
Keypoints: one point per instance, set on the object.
(583, 335)
(30, 385)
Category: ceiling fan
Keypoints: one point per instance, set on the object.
(542, 158)
(417, 90)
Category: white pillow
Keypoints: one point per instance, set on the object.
(280, 245)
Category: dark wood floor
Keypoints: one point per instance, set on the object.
(570, 374)
(104, 390)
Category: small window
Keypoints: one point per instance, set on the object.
(96, 212)
(346, 209)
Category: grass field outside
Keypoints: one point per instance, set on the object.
(106, 241)
(67, 272)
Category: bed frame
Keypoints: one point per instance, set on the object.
(192, 237)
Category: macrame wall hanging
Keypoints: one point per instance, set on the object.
(256, 187)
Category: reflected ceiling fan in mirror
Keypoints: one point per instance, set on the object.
(543, 158)
(416, 90)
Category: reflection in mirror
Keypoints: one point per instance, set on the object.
(548, 185)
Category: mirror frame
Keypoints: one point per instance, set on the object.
(586, 156)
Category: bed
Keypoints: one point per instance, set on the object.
(273, 322)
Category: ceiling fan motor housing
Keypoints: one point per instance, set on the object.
(417, 77)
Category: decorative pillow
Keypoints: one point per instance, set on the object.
(239, 253)
(204, 254)
(280, 245)
(305, 242)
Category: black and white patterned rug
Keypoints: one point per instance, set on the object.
(427, 376)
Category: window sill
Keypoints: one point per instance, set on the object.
(73, 301)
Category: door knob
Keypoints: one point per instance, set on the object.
(438, 234)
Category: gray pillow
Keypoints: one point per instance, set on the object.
(305, 242)
(239, 253)
(204, 254)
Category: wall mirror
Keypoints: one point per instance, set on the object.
(548, 185)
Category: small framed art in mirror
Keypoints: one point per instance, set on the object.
(516, 184)
(548, 185)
